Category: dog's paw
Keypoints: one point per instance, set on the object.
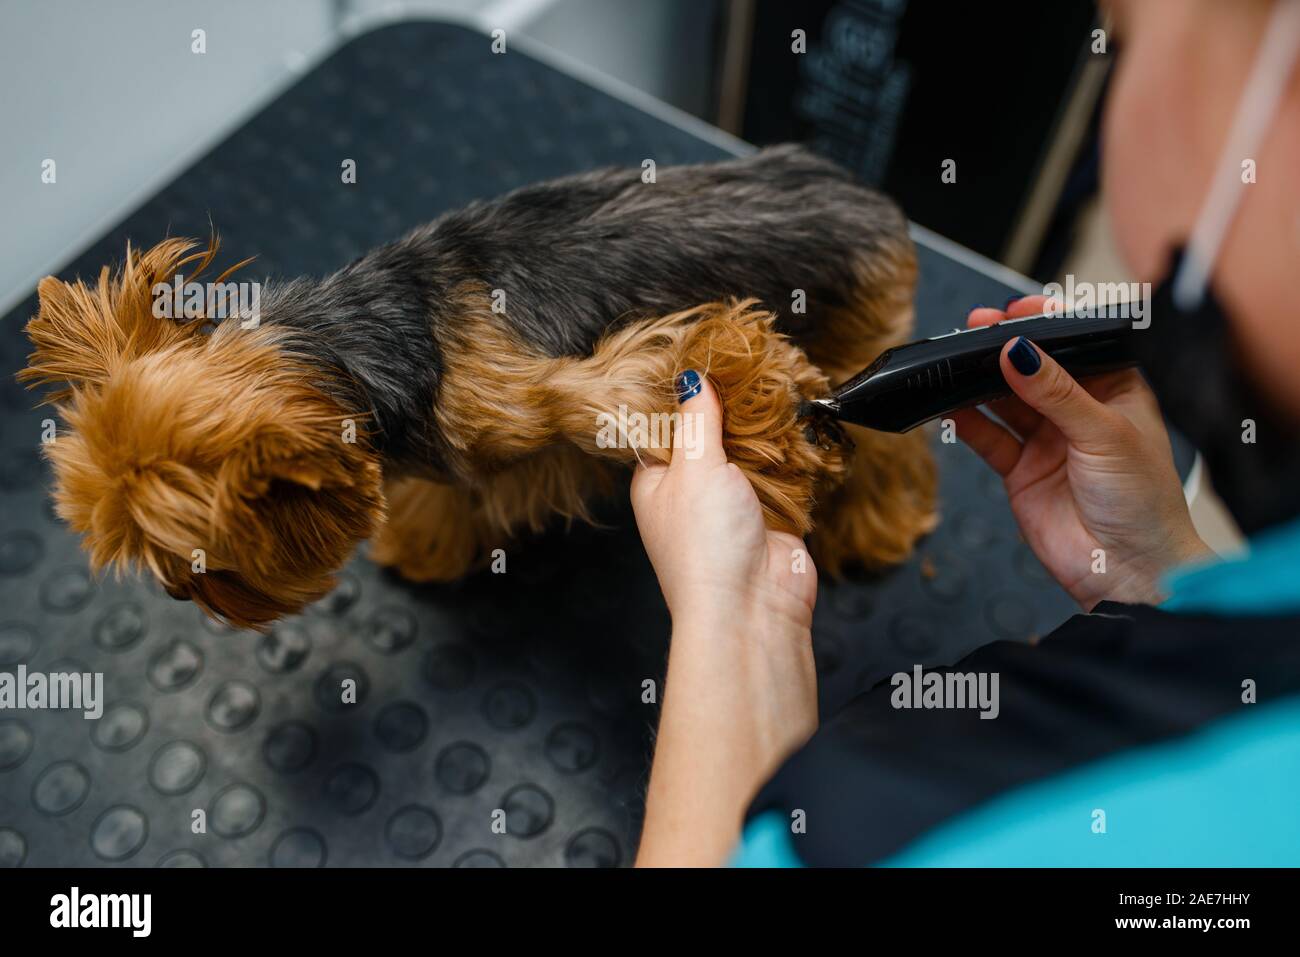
(431, 534)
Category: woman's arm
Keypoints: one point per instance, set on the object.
(741, 690)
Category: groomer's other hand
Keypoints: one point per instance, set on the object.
(1086, 466)
(741, 690)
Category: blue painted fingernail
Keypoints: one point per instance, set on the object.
(978, 305)
(688, 385)
(1025, 357)
(1007, 305)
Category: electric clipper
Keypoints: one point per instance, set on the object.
(912, 384)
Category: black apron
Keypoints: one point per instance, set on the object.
(875, 778)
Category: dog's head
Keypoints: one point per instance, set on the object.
(208, 456)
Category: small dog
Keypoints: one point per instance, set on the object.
(445, 391)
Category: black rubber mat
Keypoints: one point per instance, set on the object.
(519, 693)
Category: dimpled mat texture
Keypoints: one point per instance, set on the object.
(519, 693)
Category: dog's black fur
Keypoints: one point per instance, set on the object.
(577, 256)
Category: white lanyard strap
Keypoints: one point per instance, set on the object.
(1255, 111)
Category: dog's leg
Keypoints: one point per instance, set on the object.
(499, 404)
(442, 532)
(887, 499)
(533, 436)
(432, 532)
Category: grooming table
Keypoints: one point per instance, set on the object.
(518, 692)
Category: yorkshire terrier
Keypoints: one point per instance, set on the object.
(444, 391)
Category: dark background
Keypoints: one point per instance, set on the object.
(892, 88)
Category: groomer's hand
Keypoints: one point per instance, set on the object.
(741, 690)
(1087, 467)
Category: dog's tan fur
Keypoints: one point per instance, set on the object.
(517, 419)
(888, 500)
(215, 460)
(209, 459)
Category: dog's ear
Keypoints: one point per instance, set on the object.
(293, 504)
(289, 503)
(255, 536)
(222, 466)
(82, 333)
